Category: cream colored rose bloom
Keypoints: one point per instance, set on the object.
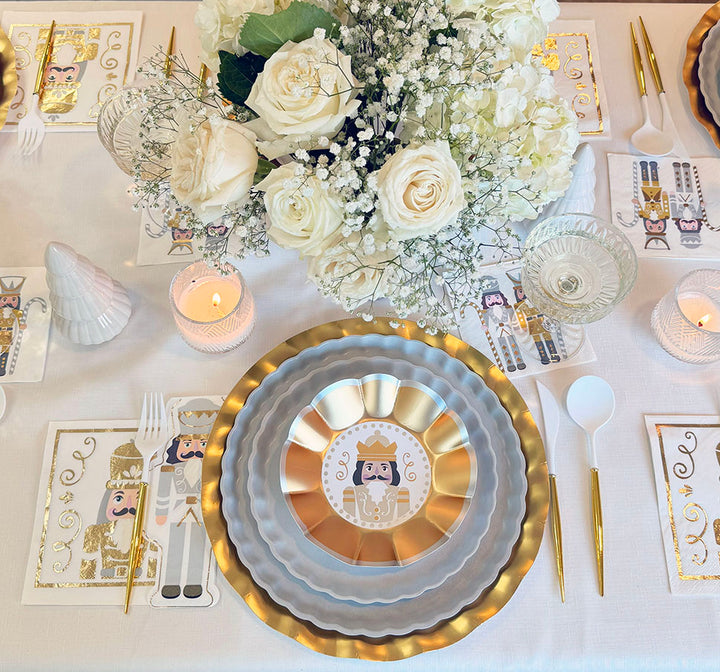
(420, 191)
(302, 215)
(305, 91)
(219, 23)
(213, 166)
(361, 275)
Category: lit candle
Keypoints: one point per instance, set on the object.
(213, 312)
(686, 321)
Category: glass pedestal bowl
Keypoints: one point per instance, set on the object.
(577, 268)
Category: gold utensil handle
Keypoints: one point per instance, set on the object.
(597, 527)
(557, 534)
(168, 56)
(136, 543)
(639, 72)
(202, 77)
(653, 61)
(44, 60)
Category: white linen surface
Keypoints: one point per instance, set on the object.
(74, 193)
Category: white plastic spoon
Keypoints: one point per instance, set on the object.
(590, 403)
(648, 139)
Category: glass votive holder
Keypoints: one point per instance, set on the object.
(213, 311)
(686, 321)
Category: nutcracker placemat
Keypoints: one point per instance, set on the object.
(686, 459)
(667, 207)
(513, 333)
(94, 54)
(24, 324)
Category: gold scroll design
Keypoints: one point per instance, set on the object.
(108, 62)
(691, 513)
(23, 58)
(547, 52)
(686, 490)
(68, 520)
(343, 463)
(408, 464)
(70, 476)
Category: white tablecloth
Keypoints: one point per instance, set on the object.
(74, 193)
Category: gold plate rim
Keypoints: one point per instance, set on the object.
(8, 76)
(690, 72)
(391, 647)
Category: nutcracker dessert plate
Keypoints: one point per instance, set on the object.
(490, 513)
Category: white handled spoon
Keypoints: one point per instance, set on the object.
(590, 403)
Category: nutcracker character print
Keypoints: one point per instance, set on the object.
(106, 545)
(178, 502)
(686, 205)
(655, 209)
(533, 322)
(13, 320)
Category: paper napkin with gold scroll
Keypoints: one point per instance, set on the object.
(667, 207)
(571, 53)
(85, 512)
(24, 324)
(94, 54)
(506, 327)
(686, 460)
(164, 239)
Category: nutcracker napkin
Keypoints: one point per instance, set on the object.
(24, 324)
(686, 459)
(667, 207)
(83, 522)
(513, 333)
(94, 54)
(571, 54)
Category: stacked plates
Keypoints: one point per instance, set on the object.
(709, 72)
(287, 493)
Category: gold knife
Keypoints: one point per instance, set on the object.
(651, 57)
(639, 72)
(136, 543)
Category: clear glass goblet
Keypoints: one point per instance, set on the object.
(577, 268)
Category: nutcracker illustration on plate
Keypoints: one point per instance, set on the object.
(106, 545)
(686, 204)
(178, 509)
(13, 320)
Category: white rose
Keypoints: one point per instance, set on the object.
(219, 23)
(302, 215)
(305, 91)
(213, 166)
(345, 270)
(420, 191)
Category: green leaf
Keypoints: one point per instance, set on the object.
(238, 74)
(265, 34)
(263, 169)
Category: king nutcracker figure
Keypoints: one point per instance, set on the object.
(106, 545)
(178, 502)
(655, 209)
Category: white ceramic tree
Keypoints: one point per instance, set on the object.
(89, 307)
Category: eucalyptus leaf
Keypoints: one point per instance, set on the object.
(264, 34)
(238, 74)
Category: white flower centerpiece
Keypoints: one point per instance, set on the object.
(391, 144)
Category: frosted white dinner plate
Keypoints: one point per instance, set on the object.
(709, 71)
(317, 568)
(431, 606)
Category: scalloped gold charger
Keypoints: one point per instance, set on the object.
(690, 71)
(8, 76)
(392, 647)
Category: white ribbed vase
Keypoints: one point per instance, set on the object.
(89, 307)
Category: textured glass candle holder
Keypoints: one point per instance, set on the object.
(577, 268)
(214, 312)
(686, 321)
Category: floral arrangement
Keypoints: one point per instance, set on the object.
(391, 144)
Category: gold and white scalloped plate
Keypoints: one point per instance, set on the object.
(377, 471)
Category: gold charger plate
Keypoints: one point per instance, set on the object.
(690, 72)
(8, 76)
(392, 647)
